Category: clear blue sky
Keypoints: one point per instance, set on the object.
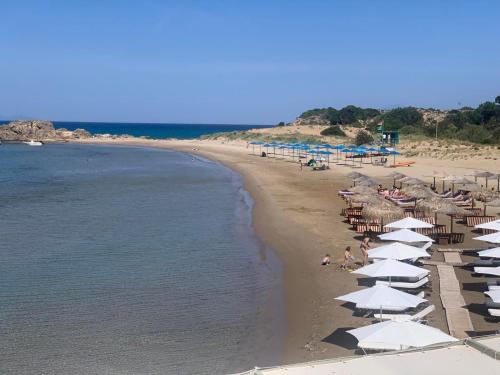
(256, 62)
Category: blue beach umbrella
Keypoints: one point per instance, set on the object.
(394, 153)
(253, 143)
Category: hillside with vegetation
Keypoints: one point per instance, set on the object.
(477, 125)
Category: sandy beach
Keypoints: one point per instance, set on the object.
(297, 213)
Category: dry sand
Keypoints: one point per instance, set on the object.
(297, 214)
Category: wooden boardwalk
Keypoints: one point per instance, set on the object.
(457, 316)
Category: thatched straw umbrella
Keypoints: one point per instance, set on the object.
(476, 191)
(367, 182)
(360, 189)
(477, 174)
(395, 176)
(494, 176)
(355, 175)
(418, 192)
(435, 175)
(456, 180)
(492, 203)
(442, 206)
(382, 209)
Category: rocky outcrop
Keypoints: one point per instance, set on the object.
(39, 131)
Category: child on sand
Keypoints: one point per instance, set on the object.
(326, 260)
(347, 258)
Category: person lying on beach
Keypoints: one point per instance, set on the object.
(347, 258)
(326, 260)
(365, 246)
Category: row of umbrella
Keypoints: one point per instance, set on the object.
(394, 335)
(322, 149)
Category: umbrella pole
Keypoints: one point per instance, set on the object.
(443, 187)
(435, 218)
(484, 207)
(434, 184)
(451, 224)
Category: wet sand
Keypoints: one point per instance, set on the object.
(297, 213)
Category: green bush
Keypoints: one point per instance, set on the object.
(474, 133)
(363, 137)
(333, 130)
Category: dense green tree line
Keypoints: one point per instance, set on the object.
(479, 125)
(345, 116)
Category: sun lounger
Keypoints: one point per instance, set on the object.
(493, 282)
(484, 263)
(406, 317)
(404, 285)
(493, 287)
(494, 312)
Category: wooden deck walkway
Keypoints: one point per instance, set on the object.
(457, 315)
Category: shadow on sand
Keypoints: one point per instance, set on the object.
(341, 338)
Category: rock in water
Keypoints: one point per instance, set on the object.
(26, 130)
(39, 131)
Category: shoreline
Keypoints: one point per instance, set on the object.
(275, 231)
(297, 213)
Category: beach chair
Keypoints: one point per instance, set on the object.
(484, 263)
(406, 317)
(404, 285)
(494, 312)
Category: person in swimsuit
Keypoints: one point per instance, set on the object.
(365, 246)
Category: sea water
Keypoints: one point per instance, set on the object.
(118, 260)
(179, 131)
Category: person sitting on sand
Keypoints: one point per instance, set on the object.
(347, 258)
(365, 246)
(326, 260)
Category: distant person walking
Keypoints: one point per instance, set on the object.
(364, 247)
(300, 164)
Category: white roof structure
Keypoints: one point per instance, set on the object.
(391, 335)
(405, 235)
(494, 295)
(487, 270)
(490, 253)
(493, 238)
(391, 268)
(408, 223)
(398, 251)
(380, 297)
(493, 225)
(456, 358)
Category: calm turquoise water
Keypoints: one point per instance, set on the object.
(180, 131)
(117, 260)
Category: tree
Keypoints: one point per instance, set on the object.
(497, 99)
(281, 123)
(363, 137)
(333, 130)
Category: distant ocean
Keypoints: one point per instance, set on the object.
(180, 131)
(120, 260)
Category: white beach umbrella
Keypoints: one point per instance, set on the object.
(398, 251)
(492, 238)
(488, 270)
(490, 253)
(408, 223)
(382, 297)
(492, 225)
(391, 268)
(390, 335)
(405, 235)
(494, 295)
